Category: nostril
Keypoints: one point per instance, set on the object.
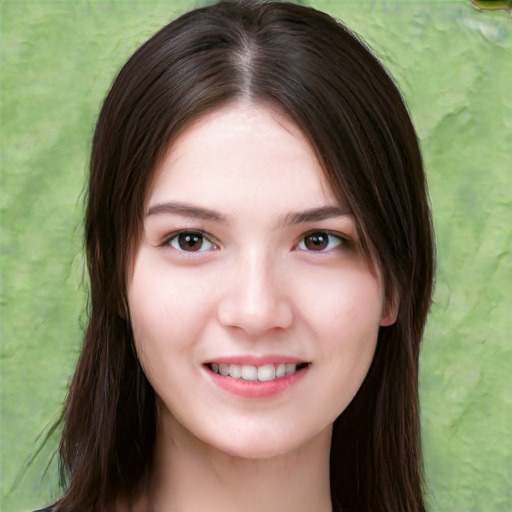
(255, 317)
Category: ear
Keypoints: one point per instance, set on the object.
(390, 310)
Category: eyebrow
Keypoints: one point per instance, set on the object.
(187, 210)
(298, 217)
(315, 215)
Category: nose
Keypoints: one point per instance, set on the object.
(255, 298)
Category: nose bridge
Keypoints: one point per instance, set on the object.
(256, 299)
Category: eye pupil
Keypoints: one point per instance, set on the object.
(190, 241)
(316, 241)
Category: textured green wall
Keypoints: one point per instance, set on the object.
(454, 66)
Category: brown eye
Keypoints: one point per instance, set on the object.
(319, 241)
(191, 241)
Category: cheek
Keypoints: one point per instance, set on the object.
(350, 306)
(347, 322)
(164, 312)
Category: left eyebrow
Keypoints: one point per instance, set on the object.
(314, 215)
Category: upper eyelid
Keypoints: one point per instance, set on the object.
(337, 234)
(345, 242)
(167, 238)
(345, 238)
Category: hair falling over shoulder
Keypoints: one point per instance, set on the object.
(330, 85)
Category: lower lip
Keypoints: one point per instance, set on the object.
(255, 388)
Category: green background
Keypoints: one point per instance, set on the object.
(453, 64)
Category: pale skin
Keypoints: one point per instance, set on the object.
(246, 257)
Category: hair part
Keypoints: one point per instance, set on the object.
(315, 71)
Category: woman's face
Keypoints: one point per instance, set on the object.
(249, 266)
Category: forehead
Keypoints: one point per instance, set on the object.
(241, 155)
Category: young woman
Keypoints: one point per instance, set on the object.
(260, 253)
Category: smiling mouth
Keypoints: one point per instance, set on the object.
(253, 373)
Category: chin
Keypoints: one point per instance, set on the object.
(262, 445)
(256, 451)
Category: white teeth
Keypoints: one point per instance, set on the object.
(249, 373)
(235, 371)
(267, 372)
(253, 373)
(290, 368)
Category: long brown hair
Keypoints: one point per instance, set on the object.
(327, 81)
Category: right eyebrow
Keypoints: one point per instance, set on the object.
(186, 210)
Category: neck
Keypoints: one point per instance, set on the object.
(189, 475)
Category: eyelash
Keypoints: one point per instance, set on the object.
(340, 241)
(332, 237)
(174, 238)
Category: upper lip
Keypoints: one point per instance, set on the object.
(256, 360)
